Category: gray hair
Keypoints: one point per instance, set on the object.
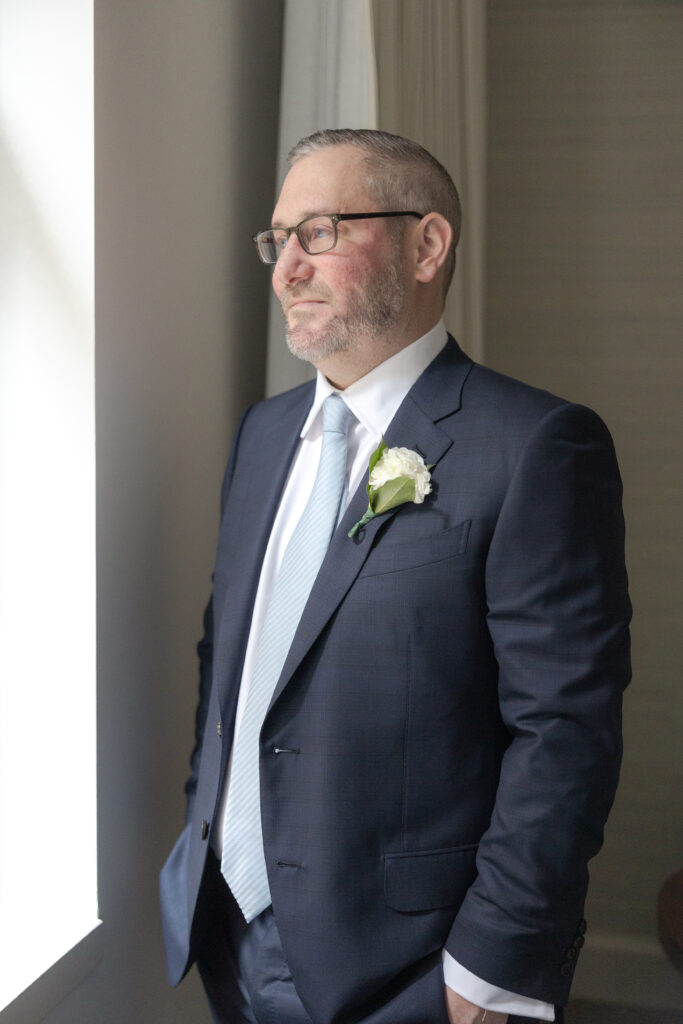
(401, 174)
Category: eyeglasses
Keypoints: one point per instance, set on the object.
(316, 234)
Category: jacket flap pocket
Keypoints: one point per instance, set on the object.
(388, 557)
(425, 881)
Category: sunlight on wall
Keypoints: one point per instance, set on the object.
(48, 883)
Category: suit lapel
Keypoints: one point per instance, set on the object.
(250, 531)
(435, 394)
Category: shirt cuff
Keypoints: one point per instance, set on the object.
(490, 997)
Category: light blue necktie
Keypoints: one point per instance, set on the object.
(243, 863)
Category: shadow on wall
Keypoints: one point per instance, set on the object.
(583, 1012)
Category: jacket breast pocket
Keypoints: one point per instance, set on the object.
(430, 879)
(387, 557)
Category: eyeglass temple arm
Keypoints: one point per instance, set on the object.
(367, 216)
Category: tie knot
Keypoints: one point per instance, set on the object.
(336, 415)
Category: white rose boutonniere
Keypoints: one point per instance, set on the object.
(396, 476)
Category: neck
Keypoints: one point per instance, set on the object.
(344, 368)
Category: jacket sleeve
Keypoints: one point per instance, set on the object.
(205, 646)
(558, 614)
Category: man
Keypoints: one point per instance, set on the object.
(408, 735)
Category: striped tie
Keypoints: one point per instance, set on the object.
(243, 864)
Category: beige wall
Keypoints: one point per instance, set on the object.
(584, 298)
(186, 123)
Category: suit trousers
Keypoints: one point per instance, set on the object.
(243, 967)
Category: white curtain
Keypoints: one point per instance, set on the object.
(328, 81)
(431, 71)
(416, 67)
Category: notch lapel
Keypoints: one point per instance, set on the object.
(249, 535)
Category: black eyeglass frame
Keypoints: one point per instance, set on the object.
(335, 218)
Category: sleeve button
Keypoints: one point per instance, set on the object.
(205, 829)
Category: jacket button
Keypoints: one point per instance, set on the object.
(579, 941)
(566, 970)
(205, 829)
(219, 728)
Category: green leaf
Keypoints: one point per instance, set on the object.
(376, 456)
(392, 493)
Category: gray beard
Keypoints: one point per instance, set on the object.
(373, 310)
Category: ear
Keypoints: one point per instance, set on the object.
(434, 239)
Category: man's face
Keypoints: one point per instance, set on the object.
(340, 300)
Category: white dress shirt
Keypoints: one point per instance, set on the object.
(374, 401)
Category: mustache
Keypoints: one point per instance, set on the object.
(300, 290)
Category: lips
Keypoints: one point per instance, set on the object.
(301, 291)
(300, 300)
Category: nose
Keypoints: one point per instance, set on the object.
(293, 263)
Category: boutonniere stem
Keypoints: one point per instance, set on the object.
(396, 476)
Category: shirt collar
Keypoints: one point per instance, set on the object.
(375, 398)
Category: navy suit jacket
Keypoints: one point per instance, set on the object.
(451, 701)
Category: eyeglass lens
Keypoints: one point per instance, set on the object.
(316, 234)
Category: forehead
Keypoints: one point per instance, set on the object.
(331, 180)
